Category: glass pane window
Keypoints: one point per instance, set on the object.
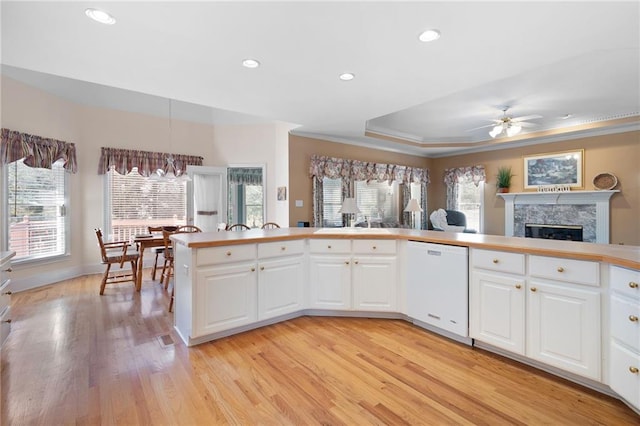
(470, 202)
(36, 211)
(136, 202)
(246, 204)
(332, 201)
(377, 201)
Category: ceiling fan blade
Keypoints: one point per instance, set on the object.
(526, 117)
(526, 124)
(483, 127)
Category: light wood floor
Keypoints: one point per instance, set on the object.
(75, 357)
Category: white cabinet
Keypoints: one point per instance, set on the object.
(362, 277)
(497, 310)
(225, 293)
(497, 299)
(624, 366)
(550, 314)
(564, 327)
(281, 278)
(225, 297)
(5, 295)
(374, 283)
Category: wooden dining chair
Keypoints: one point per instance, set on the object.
(169, 257)
(270, 225)
(160, 249)
(115, 252)
(238, 227)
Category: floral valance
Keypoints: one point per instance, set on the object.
(473, 174)
(37, 151)
(356, 170)
(245, 175)
(147, 162)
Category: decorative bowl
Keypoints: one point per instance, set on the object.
(605, 181)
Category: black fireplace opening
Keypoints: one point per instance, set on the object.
(553, 232)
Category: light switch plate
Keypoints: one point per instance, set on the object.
(299, 203)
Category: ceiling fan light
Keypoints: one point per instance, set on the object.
(513, 130)
(496, 131)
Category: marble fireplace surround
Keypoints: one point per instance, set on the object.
(591, 207)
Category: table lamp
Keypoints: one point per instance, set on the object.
(349, 207)
(412, 207)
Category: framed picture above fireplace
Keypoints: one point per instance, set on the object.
(559, 168)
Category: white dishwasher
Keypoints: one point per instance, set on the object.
(438, 286)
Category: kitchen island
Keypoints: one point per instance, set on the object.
(542, 302)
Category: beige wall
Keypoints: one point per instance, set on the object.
(30, 110)
(618, 154)
(300, 151)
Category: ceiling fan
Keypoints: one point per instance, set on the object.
(510, 126)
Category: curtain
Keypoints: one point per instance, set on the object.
(147, 162)
(318, 215)
(405, 217)
(452, 177)
(245, 175)
(37, 151)
(351, 171)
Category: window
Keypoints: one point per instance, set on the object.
(332, 201)
(135, 202)
(245, 204)
(470, 201)
(36, 211)
(377, 201)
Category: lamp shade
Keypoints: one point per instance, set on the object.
(413, 206)
(349, 206)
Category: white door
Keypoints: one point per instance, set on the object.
(207, 197)
(330, 282)
(280, 287)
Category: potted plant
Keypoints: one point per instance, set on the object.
(503, 179)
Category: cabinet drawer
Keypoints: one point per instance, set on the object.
(626, 281)
(5, 295)
(512, 263)
(330, 246)
(281, 248)
(216, 255)
(5, 325)
(374, 246)
(5, 268)
(568, 270)
(625, 373)
(625, 321)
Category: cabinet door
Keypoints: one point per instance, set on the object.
(374, 283)
(496, 308)
(625, 373)
(225, 298)
(280, 285)
(564, 327)
(330, 282)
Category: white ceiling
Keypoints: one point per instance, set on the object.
(542, 58)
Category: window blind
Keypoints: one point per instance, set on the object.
(137, 202)
(36, 210)
(332, 201)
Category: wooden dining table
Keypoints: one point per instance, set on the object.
(144, 242)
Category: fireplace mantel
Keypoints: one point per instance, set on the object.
(599, 198)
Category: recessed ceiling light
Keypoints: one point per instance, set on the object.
(250, 63)
(100, 16)
(564, 117)
(429, 35)
(347, 76)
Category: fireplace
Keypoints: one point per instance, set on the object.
(589, 209)
(553, 232)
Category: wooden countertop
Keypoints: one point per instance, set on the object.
(627, 256)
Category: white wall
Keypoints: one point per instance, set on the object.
(30, 110)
